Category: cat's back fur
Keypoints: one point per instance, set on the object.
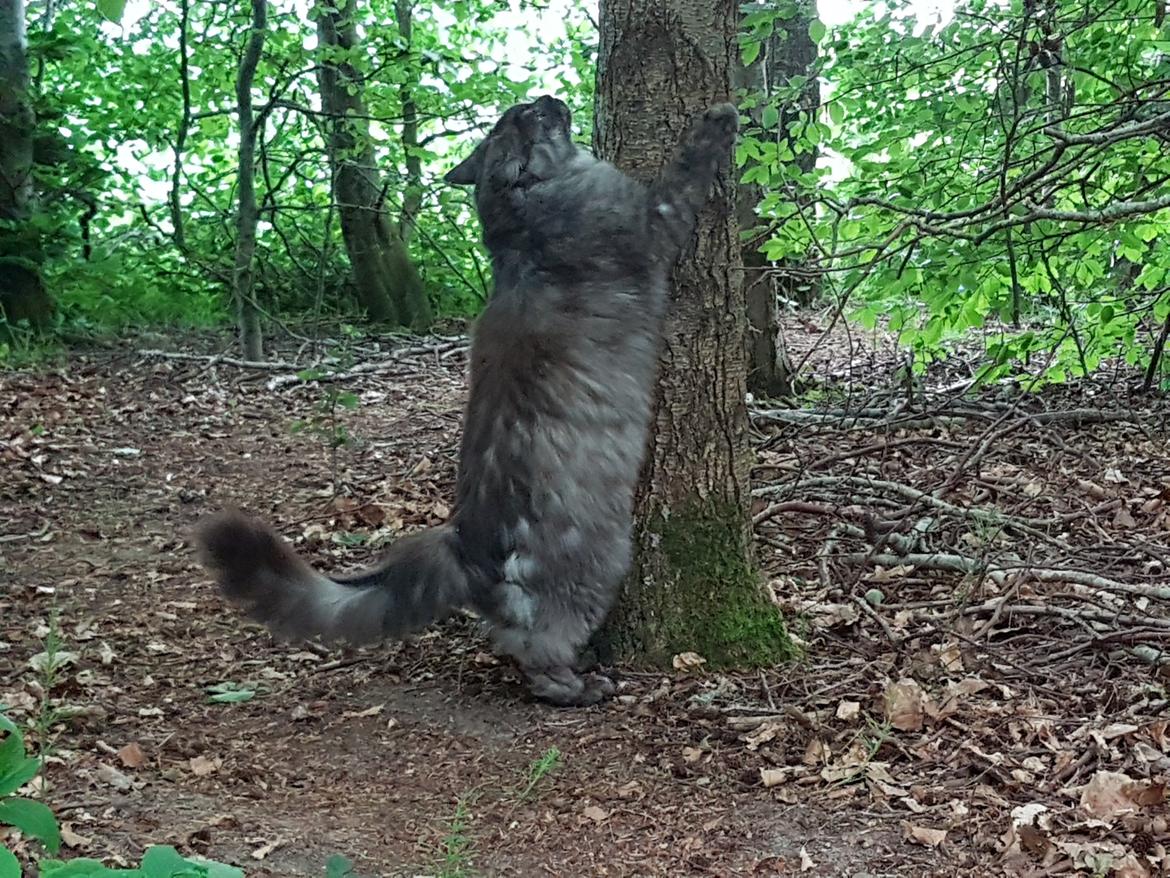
(563, 361)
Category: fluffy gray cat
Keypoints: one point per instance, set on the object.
(563, 364)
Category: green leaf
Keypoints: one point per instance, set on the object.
(163, 861)
(750, 53)
(769, 117)
(816, 30)
(112, 9)
(339, 867)
(32, 818)
(9, 865)
(347, 400)
(236, 697)
(230, 693)
(16, 769)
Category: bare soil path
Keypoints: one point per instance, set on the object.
(427, 758)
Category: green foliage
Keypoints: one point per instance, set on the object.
(31, 817)
(540, 769)
(136, 198)
(992, 171)
(456, 847)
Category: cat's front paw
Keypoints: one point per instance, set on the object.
(720, 123)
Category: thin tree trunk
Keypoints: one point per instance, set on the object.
(412, 197)
(247, 315)
(788, 52)
(387, 282)
(183, 129)
(694, 585)
(23, 296)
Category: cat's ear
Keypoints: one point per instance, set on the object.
(466, 173)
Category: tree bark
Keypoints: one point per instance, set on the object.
(789, 51)
(177, 231)
(694, 585)
(247, 214)
(23, 296)
(387, 282)
(412, 197)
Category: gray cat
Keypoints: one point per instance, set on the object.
(562, 377)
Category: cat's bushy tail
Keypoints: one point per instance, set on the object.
(684, 185)
(420, 580)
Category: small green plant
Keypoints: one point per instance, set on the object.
(456, 845)
(325, 421)
(48, 664)
(540, 769)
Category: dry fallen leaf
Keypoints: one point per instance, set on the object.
(816, 753)
(596, 814)
(771, 777)
(265, 849)
(687, 661)
(357, 714)
(949, 655)
(201, 766)
(903, 705)
(762, 735)
(1130, 867)
(132, 756)
(71, 839)
(1106, 795)
(924, 835)
(1033, 840)
(848, 710)
(109, 775)
(882, 574)
(806, 862)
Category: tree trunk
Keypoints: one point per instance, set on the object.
(789, 51)
(23, 296)
(412, 197)
(694, 585)
(247, 315)
(387, 282)
(178, 233)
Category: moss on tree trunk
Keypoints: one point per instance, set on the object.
(694, 585)
(706, 595)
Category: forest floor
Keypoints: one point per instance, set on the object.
(980, 586)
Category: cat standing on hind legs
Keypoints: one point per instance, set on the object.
(563, 365)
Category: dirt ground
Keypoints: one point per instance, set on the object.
(899, 745)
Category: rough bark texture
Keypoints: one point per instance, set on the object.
(412, 197)
(247, 214)
(387, 282)
(790, 51)
(694, 585)
(22, 294)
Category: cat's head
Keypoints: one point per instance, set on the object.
(530, 143)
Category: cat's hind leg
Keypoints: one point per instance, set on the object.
(564, 687)
(547, 660)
